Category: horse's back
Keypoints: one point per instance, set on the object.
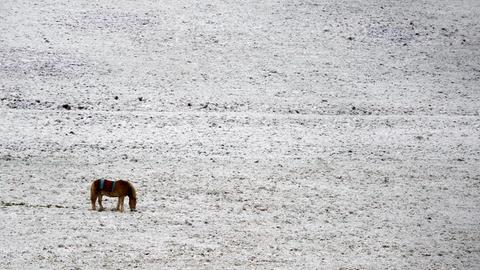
(110, 188)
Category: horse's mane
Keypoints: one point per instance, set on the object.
(133, 191)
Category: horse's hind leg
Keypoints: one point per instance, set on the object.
(93, 199)
(100, 203)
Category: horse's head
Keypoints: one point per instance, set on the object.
(132, 202)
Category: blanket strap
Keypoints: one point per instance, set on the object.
(113, 186)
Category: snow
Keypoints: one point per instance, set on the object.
(272, 134)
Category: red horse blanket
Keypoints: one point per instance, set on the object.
(107, 185)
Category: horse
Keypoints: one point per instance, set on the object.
(119, 188)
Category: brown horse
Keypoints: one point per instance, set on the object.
(120, 189)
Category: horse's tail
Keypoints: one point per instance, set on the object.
(132, 192)
(93, 189)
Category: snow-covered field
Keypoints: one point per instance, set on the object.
(259, 134)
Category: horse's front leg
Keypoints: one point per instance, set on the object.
(120, 203)
(100, 202)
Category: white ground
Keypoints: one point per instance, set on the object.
(260, 134)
